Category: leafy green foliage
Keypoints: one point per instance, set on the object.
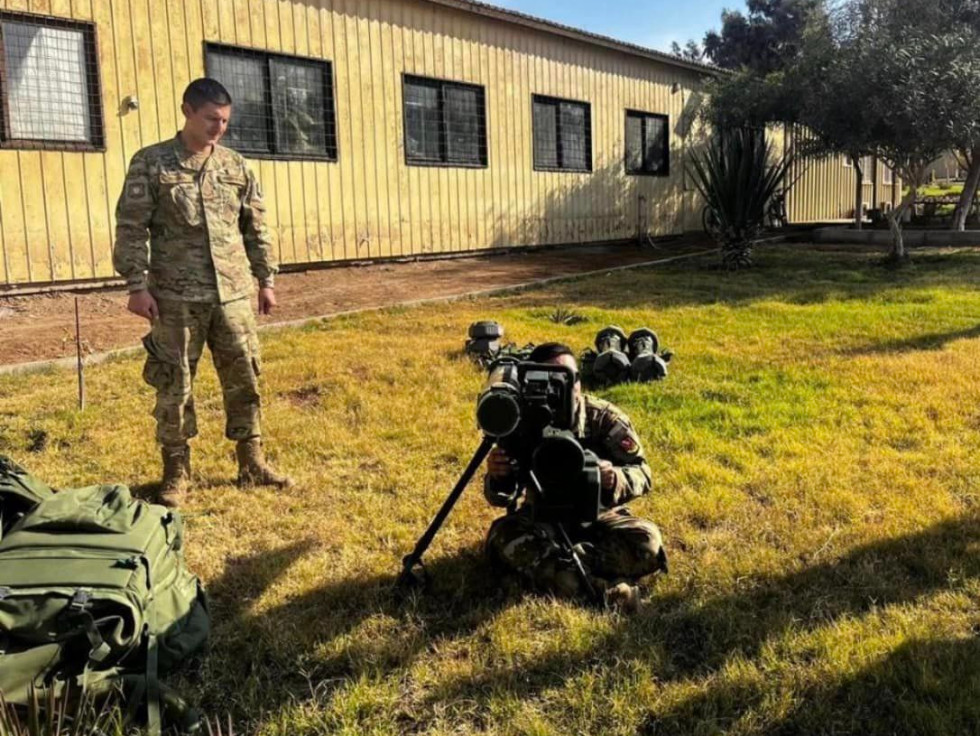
(738, 174)
(765, 39)
(895, 79)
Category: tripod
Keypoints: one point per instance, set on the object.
(413, 572)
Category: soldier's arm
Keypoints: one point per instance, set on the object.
(500, 484)
(255, 233)
(134, 211)
(500, 492)
(624, 451)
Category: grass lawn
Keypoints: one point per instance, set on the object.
(815, 454)
(952, 189)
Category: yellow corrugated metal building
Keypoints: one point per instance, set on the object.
(825, 189)
(378, 128)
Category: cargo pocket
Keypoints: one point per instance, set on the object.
(160, 370)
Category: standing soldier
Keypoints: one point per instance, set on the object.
(201, 207)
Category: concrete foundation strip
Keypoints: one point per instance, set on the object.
(41, 366)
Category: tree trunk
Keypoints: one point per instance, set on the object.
(859, 192)
(898, 253)
(969, 190)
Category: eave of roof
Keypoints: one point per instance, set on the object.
(547, 26)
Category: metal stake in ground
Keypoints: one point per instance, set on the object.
(78, 359)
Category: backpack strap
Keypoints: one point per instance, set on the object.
(153, 718)
(78, 608)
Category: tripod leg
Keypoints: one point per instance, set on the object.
(583, 575)
(414, 560)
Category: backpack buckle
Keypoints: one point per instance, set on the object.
(130, 563)
(4, 592)
(79, 601)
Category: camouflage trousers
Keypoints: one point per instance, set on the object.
(617, 547)
(174, 347)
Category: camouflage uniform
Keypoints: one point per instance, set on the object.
(616, 547)
(207, 239)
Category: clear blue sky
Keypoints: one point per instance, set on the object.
(651, 23)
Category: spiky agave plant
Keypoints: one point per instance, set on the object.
(564, 316)
(737, 174)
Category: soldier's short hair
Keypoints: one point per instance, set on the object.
(548, 351)
(204, 90)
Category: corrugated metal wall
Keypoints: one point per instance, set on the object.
(825, 188)
(57, 207)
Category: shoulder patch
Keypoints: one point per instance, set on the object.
(629, 445)
(136, 190)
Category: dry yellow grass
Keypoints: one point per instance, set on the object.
(816, 477)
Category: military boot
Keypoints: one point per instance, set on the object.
(176, 474)
(253, 470)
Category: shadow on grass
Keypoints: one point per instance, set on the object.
(680, 638)
(789, 274)
(304, 648)
(933, 341)
(261, 660)
(926, 688)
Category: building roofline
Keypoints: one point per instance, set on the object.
(547, 26)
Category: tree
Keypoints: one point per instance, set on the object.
(967, 15)
(764, 41)
(969, 159)
(895, 79)
(831, 90)
(924, 70)
(946, 34)
(690, 51)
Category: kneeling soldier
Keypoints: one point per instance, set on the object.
(617, 549)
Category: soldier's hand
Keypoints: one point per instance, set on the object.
(607, 472)
(500, 464)
(143, 304)
(267, 300)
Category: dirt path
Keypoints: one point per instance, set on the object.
(42, 327)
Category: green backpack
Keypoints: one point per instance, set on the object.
(19, 493)
(94, 590)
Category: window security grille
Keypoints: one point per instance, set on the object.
(49, 84)
(647, 144)
(562, 134)
(445, 123)
(283, 106)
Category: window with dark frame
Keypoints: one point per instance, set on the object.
(283, 106)
(50, 96)
(647, 144)
(445, 122)
(562, 134)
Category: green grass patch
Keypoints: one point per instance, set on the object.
(814, 451)
(940, 189)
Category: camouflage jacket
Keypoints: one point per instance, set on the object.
(205, 220)
(603, 428)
